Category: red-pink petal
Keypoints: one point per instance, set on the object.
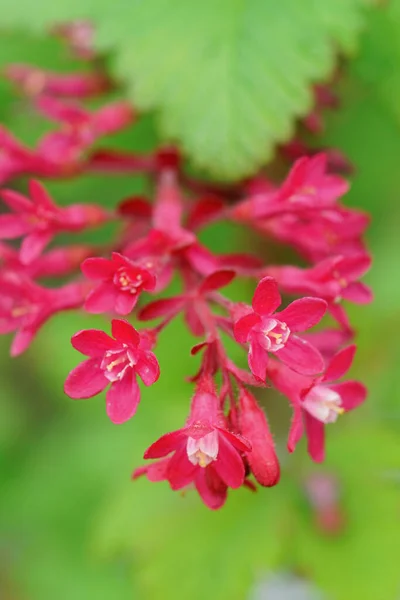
(296, 428)
(124, 332)
(125, 302)
(166, 443)
(340, 363)
(40, 195)
(97, 268)
(92, 342)
(239, 442)
(193, 321)
(180, 471)
(101, 299)
(243, 327)
(86, 380)
(354, 267)
(229, 464)
(122, 398)
(316, 437)
(301, 356)
(358, 292)
(147, 368)
(22, 340)
(303, 313)
(33, 245)
(211, 488)
(216, 281)
(258, 360)
(161, 308)
(16, 201)
(13, 226)
(339, 314)
(266, 298)
(352, 393)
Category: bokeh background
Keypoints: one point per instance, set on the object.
(73, 525)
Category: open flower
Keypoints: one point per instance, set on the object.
(120, 283)
(318, 401)
(113, 360)
(205, 452)
(268, 331)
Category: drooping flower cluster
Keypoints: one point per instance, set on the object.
(226, 440)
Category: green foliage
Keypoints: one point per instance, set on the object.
(227, 78)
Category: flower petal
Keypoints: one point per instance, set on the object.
(301, 356)
(258, 360)
(166, 444)
(122, 398)
(352, 393)
(33, 245)
(92, 342)
(147, 368)
(303, 313)
(98, 268)
(296, 428)
(17, 201)
(124, 332)
(161, 308)
(180, 471)
(239, 442)
(243, 327)
(12, 226)
(316, 437)
(125, 302)
(340, 363)
(101, 298)
(22, 340)
(358, 292)
(86, 380)
(40, 196)
(157, 471)
(211, 488)
(216, 280)
(266, 298)
(229, 464)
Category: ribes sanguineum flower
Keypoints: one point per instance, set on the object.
(38, 219)
(267, 331)
(204, 450)
(116, 361)
(120, 282)
(318, 401)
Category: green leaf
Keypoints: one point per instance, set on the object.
(228, 78)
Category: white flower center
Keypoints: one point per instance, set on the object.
(323, 403)
(204, 450)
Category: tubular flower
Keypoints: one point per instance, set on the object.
(267, 331)
(113, 360)
(318, 401)
(205, 452)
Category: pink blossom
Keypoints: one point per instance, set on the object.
(204, 451)
(318, 401)
(39, 219)
(120, 282)
(113, 360)
(269, 332)
(25, 306)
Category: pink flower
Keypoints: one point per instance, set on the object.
(39, 219)
(204, 451)
(319, 401)
(116, 360)
(33, 82)
(120, 283)
(254, 426)
(25, 306)
(269, 332)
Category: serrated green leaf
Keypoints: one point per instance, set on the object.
(228, 78)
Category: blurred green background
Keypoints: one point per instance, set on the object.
(73, 525)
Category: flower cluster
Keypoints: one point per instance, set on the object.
(226, 441)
